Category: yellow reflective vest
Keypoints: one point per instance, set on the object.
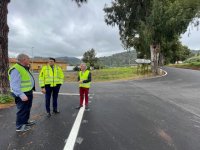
(26, 84)
(51, 76)
(84, 76)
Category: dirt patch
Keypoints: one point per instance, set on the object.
(165, 136)
(3, 106)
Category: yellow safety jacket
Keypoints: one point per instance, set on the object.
(51, 76)
(26, 84)
(84, 76)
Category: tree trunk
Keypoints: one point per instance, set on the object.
(161, 60)
(4, 63)
(154, 58)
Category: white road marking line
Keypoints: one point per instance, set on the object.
(185, 109)
(75, 129)
(195, 120)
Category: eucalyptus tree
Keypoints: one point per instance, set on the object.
(4, 29)
(145, 24)
(4, 84)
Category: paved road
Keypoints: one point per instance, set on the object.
(154, 114)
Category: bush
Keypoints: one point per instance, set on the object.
(192, 59)
(6, 99)
(76, 68)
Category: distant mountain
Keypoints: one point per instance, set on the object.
(69, 60)
(195, 51)
(119, 59)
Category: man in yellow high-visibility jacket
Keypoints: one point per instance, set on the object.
(22, 85)
(51, 78)
(84, 79)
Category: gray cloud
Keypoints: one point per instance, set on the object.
(60, 28)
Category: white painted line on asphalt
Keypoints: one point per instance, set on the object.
(195, 121)
(184, 108)
(75, 129)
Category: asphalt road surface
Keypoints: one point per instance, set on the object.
(152, 114)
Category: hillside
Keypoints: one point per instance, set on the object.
(119, 59)
(115, 60)
(69, 60)
(195, 51)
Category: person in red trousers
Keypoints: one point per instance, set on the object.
(84, 79)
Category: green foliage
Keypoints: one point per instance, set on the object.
(175, 51)
(109, 74)
(89, 57)
(193, 65)
(157, 22)
(76, 68)
(79, 2)
(194, 59)
(6, 99)
(113, 73)
(119, 59)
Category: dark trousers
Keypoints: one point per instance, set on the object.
(83, 93)
(23, 110)
(49, 92)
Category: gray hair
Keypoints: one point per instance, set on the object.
(83, 64)
(21, 57)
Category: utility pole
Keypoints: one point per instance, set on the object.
(32, 58)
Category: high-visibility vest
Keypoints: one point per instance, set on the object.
(51, 76)
(26, 84)
(84, 76)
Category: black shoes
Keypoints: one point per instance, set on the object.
(87, 108)
(56, 111)
(78, 107)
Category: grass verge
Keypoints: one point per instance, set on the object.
(110, 74)
(192, 65)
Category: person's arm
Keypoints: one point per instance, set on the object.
(89, 78)
(78, 78)
(41, 78)
(61, 75)
(15, 83)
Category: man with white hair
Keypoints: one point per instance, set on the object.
(84, 79)
(22, 84)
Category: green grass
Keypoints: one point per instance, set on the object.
(192, 65)
(109, 74)
(6, 99)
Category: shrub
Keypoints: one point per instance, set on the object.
(6, 99)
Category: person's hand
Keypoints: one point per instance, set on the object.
(24, 98)
(80, 81)
(43, 90)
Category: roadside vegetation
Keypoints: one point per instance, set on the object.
(6, 100)
(190, 63)
(111, 74)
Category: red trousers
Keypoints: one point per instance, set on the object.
(83, 94)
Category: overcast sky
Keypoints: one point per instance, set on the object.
(59, 28)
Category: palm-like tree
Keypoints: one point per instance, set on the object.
(4, 29)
